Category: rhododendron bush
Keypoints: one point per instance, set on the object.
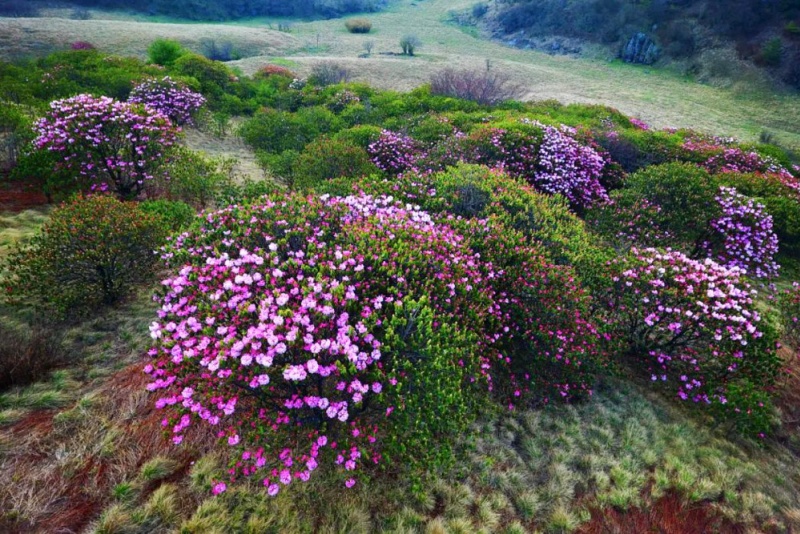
(168, 97)
(693, 326)
(550, 159)
(315, 331)
(790, 307)
(345, 331)
(678, 205)
(745, 235)
(105, 144)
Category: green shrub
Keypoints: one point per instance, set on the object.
(195, 179)
(174, 214)
(213, 76)
(361, 136)
(248, 189)
(276, 131)
(771, 52)
(666, 205)
(91, 252)
(326, 159)
(279, 166)
(165, 52)
(358, 26)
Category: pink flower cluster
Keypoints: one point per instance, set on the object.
(109, 144)
(745, 234)
(168, 97)
(689, 321)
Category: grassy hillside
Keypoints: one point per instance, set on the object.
(657, 97)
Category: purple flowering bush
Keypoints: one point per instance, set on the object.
(679, 205)
(693, 327)
(105, 144)
(549, 158)
(394, 153)
(329, 331)
(170, 98)
(743, 235)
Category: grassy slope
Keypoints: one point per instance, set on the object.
(658, 97)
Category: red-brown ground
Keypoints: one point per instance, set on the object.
(19, 196)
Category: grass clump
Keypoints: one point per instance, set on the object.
(358, 26)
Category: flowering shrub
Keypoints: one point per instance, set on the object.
(744, 235)
(320, 331)
(666, 205)
(108, 145)
(569, 168)
(543, 345)
(475, 191)
(90, 252)
(342, 99)
(168, 97)
(780, 200)
(549, 158)
(692, 325)
(394, 153)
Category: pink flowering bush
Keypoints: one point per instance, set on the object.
(544, 346)
(743, 235)
(105, 144)
(168, 97)
(693, 327)
(309, 332)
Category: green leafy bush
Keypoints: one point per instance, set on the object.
(326, 159)
(174, 214)
(91, 252)
(277, 131)
(165, 52)
(213, 76)
(194, 178)
(666, 205)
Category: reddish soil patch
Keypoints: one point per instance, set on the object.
(668, 515)
(20, 196)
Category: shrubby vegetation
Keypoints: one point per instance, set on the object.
(91, 252)
(422, 259)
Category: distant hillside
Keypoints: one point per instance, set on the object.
(230, 9)
(708, 36)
